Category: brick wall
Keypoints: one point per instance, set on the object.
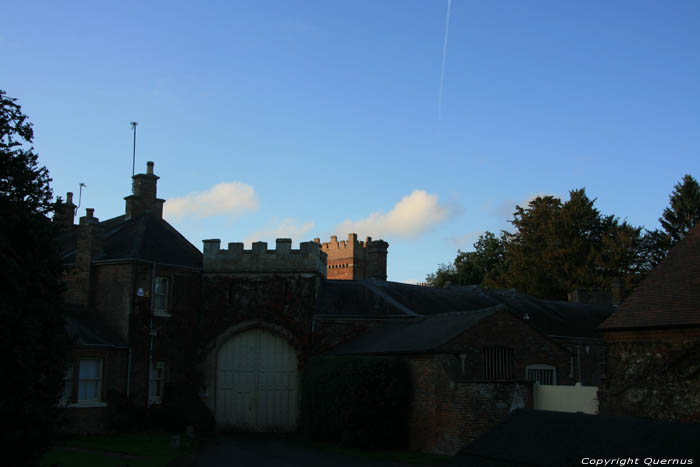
(355, 260)
(502, 329)
(447, 414)
(176, 337)
(78, 419)
(113, 295)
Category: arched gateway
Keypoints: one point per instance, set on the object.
(257, 382)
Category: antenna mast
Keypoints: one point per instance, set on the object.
(133, 163)
(80, 195)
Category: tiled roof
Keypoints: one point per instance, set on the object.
(374, 298)
(538, 437)
(143, 237)
(670, 295)
(423, 335)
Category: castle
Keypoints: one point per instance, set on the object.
(154, 319)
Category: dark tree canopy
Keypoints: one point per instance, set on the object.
(556, 247)
(682, 214)
(480, 266)
(32, 336)
(684, 210)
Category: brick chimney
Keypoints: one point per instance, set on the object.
(144, 197)
(376, 258)
(64, 212)
(89, 246)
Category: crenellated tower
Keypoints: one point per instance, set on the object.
(355, 260)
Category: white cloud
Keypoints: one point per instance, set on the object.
(410, 217)
(232, 198)
(287, 228)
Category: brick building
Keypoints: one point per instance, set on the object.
(355, 260)
(474, 353)
(136, 279)
(234, 326)
(654, 341)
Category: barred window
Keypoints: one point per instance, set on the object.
(543, 374)
(498, 363)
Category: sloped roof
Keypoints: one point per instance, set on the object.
(86, 332)
(372, 297)
(143, 237)
(670, 295)
(423, 335)
(543, 438)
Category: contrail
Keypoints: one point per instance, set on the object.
(444, 57)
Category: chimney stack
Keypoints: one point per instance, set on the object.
(64, 212)
(88, 249)
(144, 197)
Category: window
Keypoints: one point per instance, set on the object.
(543, 374)
(157, 381)
(160, 299)
(83, 383)
(90, 382)
(498, 363)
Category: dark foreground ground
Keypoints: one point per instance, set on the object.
(246, 450)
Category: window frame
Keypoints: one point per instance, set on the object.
(497, 363)
(541, 367)
(159, 382)
(73, 399)
(161, 312)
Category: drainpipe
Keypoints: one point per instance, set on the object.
(128, 375)
(151, 333)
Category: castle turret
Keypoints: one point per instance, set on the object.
(354, 260)
(144, 197)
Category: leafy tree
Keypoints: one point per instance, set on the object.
(682, 214)
(556, 247)
(684, 210)
(446, 273)
(480, 266)
(32, 336)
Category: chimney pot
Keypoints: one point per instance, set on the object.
(90, 213)
(69, 198)
(149, 167)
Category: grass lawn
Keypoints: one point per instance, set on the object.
(133, 450)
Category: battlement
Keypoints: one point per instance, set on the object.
(259, 260)
(355, 260)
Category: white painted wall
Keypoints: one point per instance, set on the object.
(566, 398)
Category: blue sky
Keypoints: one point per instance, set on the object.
(307, 119)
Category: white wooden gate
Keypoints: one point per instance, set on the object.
(257, 383)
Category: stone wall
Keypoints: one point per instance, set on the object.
(653, 374)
